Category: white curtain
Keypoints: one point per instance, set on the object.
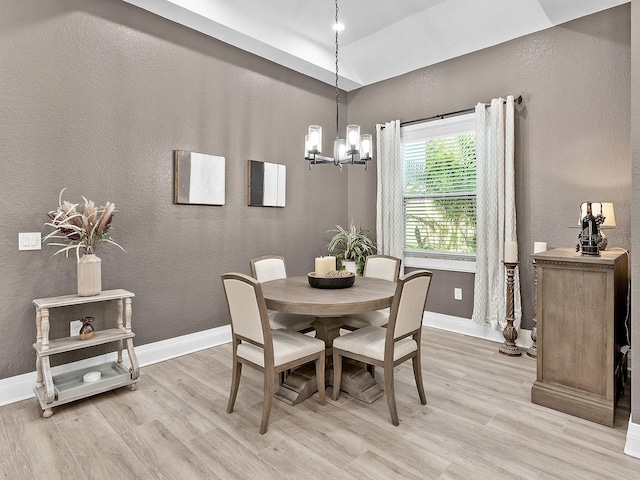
(496, 211)
(390, 212)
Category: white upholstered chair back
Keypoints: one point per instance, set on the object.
(384, 267)
(245, 308)
(268, 268)
(409, 303)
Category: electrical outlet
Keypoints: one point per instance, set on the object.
(74, 328)
(457, 293)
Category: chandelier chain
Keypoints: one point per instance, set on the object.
(337, 91)
(355, 149)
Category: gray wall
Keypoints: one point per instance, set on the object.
(572, 131)
(635, 222)
(96, 94)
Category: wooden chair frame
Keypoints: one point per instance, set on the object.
(388, 363)
(270, 370)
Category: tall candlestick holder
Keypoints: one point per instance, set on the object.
(532, 351)
(510, 333)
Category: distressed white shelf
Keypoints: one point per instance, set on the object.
(53, 391)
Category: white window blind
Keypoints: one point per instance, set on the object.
(440, 186)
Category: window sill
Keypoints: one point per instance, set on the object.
(450, 265)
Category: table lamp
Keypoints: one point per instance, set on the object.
(594, 216)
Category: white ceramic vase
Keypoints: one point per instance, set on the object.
(89, 275)
(350, 266)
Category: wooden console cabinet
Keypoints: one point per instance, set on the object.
(52, 391)
(581, 310)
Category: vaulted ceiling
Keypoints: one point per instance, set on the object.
(382, 39)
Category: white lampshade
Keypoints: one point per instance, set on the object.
(604, 208)
(608, 214)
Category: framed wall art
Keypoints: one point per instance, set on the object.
(199, 178)
(267, 184)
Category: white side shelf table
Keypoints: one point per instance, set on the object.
(53, 391)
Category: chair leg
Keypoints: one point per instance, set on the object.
(320, 364)
(391, 395)
(235, 382)
(268, 399)
(417, 373)
(337, 373)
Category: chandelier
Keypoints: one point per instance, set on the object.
(355, 149)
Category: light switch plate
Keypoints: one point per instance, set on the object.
(457, 293)
(29, 241)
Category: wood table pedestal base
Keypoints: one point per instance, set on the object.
(356, 380)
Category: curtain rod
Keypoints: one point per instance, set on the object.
(517, 101)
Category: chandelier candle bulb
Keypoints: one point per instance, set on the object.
(365, 145)
(539, 247)
(510, 252)
(353, 138)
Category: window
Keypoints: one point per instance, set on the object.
(440, 187)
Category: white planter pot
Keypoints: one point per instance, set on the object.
(350, 266)
(89, 275)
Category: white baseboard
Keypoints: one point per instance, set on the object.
(632, 445)
(466, 327)
(20, 387)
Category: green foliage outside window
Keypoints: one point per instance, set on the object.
(440, 194)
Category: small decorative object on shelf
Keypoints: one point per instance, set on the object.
(91, 377)
(83, 228)
(87, 330)
(352, 245)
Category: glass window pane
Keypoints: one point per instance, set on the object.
(440, 191)
(445, 224)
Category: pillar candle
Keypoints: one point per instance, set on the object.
(325, 264)
(321, 270)
(539, 247)
(510, 252)
(331, 262)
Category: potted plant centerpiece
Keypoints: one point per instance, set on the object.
(352, 246)
(82, 227)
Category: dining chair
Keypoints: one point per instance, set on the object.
(272, 267)
(256, 345)
(384, 267)
(388, 347)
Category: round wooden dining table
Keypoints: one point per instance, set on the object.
(295, 295)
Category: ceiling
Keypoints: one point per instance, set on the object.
(382, 39)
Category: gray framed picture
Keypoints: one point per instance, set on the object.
(267, 184)
(199, 178)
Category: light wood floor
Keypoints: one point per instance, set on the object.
(479, 424)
